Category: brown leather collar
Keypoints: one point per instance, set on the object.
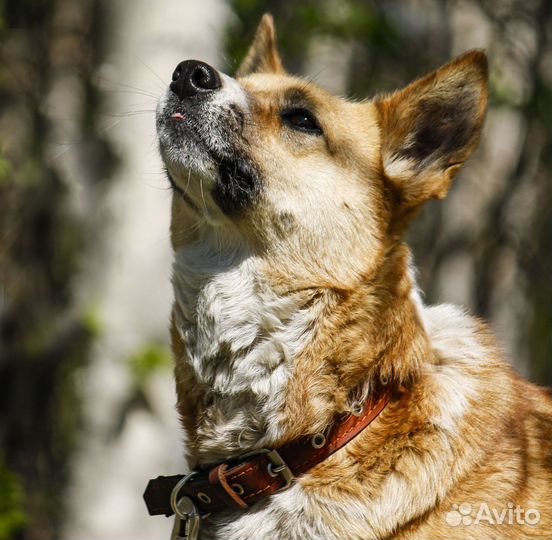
(240, 482)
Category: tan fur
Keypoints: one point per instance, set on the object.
(326, 234)
(263, 55)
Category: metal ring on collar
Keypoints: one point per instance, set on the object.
(275, 470)
(203, 497)
(237, 488)
(318, 440)
(176, 490)
(357, 408)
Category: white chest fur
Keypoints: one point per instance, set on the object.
(241, 339)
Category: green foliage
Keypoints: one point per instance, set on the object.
(44, 337)
(383, 57)
(91, 320)
(5, 169)
(151, 359)
(2, 21)
(12, 515)
(297, 22)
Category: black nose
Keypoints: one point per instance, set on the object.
(193, 77)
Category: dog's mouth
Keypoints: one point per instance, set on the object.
(205, 143)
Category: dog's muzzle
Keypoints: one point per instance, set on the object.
(200, 125)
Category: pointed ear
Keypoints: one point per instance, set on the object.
(263, 55)
(432, 126)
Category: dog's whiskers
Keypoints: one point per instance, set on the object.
(202, 194)
(163, 83)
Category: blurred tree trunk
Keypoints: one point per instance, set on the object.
(45, 45)
(487, 246)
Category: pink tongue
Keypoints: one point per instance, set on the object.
(177, 116)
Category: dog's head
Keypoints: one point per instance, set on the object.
(313, 184)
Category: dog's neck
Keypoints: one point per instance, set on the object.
(256, 368)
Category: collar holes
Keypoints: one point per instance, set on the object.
(203, 497)
(356, 408)
(237, 489)
(318, 440)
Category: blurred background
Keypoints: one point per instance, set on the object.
(86, 393)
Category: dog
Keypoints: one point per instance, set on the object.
(296, 300)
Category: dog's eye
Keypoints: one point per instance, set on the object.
(302, 120)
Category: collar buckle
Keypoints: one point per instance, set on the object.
(277, 465)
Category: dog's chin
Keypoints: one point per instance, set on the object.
(194, 189)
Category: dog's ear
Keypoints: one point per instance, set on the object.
(432, 126)
(263, 55)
